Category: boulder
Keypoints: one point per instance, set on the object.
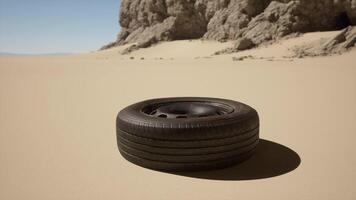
(243, 44)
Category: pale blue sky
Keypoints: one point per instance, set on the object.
(52, 26)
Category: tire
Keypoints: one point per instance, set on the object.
(178, 167)
(188, 143)
(187, 133)
(188, 151)
(188, 158)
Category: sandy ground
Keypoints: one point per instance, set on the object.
(57, 120)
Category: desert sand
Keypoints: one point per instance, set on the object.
(57, 120)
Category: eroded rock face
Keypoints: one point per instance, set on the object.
(143, 20)
(283, 18)
(146, 22)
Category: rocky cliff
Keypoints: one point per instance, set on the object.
(249, 22)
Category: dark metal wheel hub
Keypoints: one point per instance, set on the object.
(177, 110)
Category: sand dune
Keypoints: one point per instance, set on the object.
(57, 120)
(200, 49)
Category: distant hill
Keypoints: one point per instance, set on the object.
(46, 54)
(7, 54)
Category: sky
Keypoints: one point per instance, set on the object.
(53, 26)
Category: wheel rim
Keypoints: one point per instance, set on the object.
(188, 109)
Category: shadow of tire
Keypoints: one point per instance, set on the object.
(271, 159)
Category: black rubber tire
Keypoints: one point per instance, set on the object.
(133, 120)
(193, 166)
(188, 158)
(186, 144)
(188, 151)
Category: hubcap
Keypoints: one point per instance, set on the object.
(177, 110)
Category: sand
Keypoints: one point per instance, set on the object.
(57, 120)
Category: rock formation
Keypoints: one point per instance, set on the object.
(250, 22)
(335, 45)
